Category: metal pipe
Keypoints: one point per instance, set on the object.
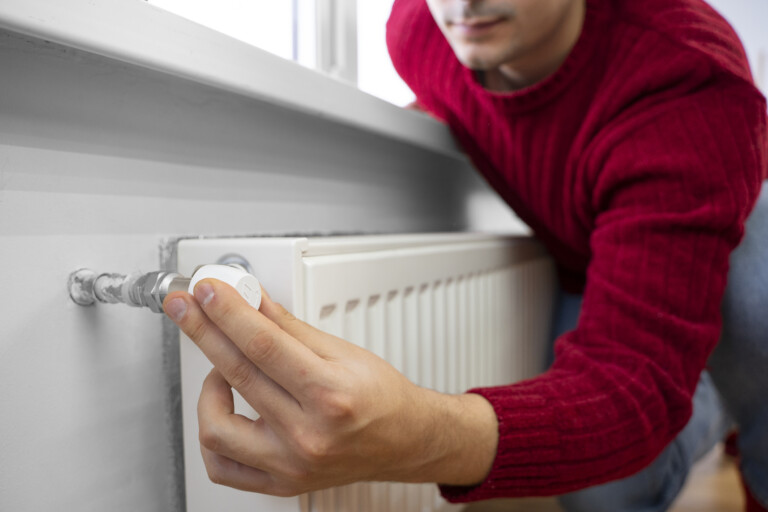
(149, 290)
(137, 290)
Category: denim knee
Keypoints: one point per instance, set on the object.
(650, 490)
(739, 364)
(655, 487)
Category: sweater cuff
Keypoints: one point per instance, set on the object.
(526, 434)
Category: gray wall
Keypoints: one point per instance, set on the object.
(102, 165)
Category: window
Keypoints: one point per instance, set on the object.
(342, 38)
(263, 23)
(375, 74)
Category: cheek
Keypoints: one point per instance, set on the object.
(540, 20)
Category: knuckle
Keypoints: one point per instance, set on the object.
(210, 436)
(196, 330)
(283, 312)
(261, 346)
(287, 317)
(340, 406)
(336, 405)
(240, 374)
(315, 450)
(214, 467)
(214, 475)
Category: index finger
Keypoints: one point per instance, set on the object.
(287, 361)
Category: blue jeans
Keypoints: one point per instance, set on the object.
(733, 392)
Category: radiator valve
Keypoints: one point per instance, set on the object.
(86, 287)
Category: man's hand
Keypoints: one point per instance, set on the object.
(331, 413)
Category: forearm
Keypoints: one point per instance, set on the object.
(459, 440)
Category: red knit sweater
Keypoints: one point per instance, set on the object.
(636, 164)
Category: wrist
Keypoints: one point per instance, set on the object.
(460, 441)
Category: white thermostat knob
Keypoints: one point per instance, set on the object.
(246, 284)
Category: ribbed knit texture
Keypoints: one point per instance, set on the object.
(636, 164)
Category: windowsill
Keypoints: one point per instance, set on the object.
(137, 33)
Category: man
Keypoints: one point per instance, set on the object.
(630, 137)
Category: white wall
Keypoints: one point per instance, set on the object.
(101, 163)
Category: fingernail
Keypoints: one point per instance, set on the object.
(176, 308)
(203, 293)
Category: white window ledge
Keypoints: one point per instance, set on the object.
(138, 33)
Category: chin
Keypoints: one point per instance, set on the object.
(482, 55)
(478, 61)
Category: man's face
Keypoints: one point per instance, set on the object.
(485, 34)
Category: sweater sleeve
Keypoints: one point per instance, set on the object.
(670, 194)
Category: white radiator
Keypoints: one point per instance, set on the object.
(449, 311)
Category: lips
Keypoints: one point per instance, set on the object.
(476, 26)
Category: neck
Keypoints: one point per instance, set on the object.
(543, 59)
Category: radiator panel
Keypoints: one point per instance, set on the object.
(451, 312)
